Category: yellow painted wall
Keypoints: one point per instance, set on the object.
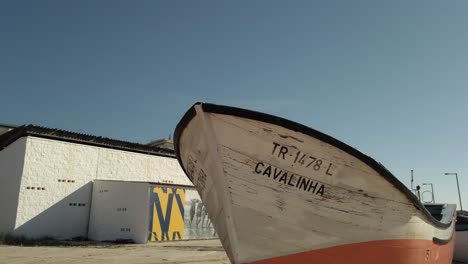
(167, 213)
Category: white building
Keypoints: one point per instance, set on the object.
(46, 188)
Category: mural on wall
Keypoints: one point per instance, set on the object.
(177, 213)
(197, 223)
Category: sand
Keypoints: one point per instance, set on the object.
(195, 252)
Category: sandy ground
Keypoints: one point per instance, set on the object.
(194, 252)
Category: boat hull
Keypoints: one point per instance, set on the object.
(278, 192)
(382, 252)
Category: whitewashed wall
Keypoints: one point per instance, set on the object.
(60, 174)
(11, 168)
(119, 211)
(64, 172)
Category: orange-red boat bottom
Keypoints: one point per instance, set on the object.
(374, 252)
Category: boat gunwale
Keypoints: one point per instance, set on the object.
(443, 241)
(294, 126)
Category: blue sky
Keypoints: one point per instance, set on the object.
(389, 78)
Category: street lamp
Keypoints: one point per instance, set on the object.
(458, 186)
(432, 191)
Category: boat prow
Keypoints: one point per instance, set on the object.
(280, 192)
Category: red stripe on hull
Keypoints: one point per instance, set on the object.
(374, 252)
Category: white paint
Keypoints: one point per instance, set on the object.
(47, 162)
(461, 247)
(11, 168)
(265, 211)
(119, 211)
(48, 212)
(131, 166)
(216, 168)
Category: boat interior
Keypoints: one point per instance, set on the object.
(441, 212)
(462, 221)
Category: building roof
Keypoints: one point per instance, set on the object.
(162, 143)
(67, 136)
(6, 127)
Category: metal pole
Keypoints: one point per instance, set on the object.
(419, 193)
(432, 190)
(412, 189)
(458, 187)
(459, 196)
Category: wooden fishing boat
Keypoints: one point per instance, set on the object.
(461, 245)
(280, 192)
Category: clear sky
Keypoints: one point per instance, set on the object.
(387, 77)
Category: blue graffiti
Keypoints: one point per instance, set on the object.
(164, 221)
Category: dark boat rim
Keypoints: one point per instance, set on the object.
(291, 125)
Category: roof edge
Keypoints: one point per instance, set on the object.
(77, 138)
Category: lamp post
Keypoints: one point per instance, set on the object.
(458, 186)
(432, 191)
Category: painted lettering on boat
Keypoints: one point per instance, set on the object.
(302, 159)
(289, 178)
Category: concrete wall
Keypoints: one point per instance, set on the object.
(55, 192)
(11, 168)
(119, 211)
(141, 212)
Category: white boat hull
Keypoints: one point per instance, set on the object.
(279, 195)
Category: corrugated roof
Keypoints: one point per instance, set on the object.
(162, 143)
(68, 136)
